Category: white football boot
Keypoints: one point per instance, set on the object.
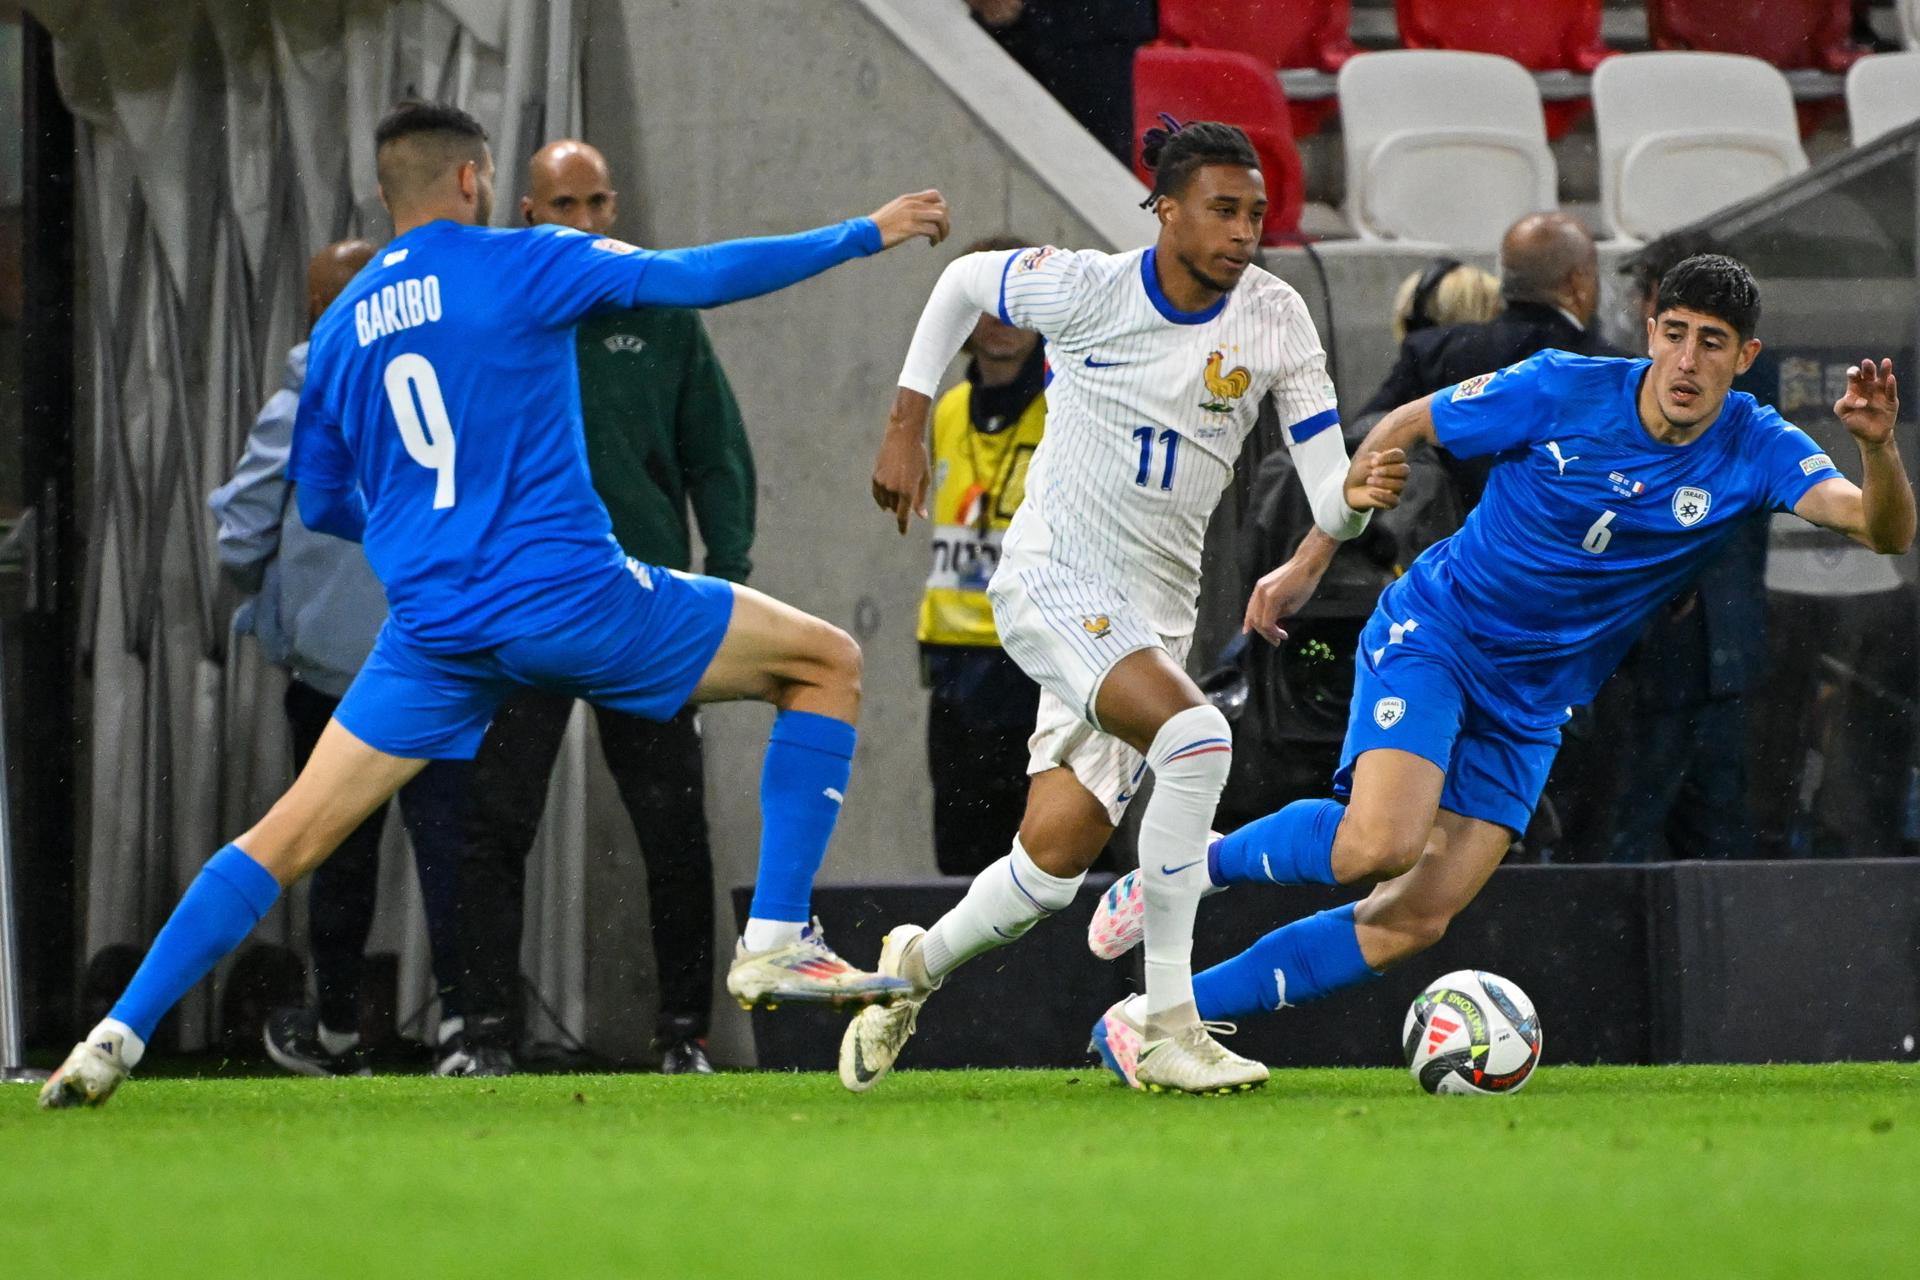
(875, 1037)
(91, 1072)
(807, 971)
(1190, 1060)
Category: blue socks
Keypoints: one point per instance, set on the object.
(802, 783)
(1293, 846)
(215, 915)
(1300, 962)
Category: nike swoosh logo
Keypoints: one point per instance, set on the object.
(1166, 870)
(860, 1071)
(1105, 364)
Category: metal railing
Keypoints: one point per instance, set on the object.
(19, 544)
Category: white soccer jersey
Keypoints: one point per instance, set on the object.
(1147, 410)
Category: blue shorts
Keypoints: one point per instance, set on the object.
(1416, 690)
(639, 642)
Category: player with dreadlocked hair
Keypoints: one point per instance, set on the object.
(1160, 360)
(1174, 151)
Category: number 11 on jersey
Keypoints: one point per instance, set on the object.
(1170, 441)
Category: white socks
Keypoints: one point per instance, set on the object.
(132, 1047)
(765, 935)
(1190, 758)
(1002, 903)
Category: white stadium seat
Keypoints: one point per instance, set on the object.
(1684, 134)
(1883, 93)
(1444, 147)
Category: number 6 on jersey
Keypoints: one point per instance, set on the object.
(429, 442)
(1598, 535)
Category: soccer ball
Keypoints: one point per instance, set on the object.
(1471, 1032)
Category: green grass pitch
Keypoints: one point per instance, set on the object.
(1673, 1172)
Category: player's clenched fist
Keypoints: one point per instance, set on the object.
(1374, 480)
(924, 213)
(1872, 402)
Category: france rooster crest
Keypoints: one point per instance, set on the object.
(1224, 386)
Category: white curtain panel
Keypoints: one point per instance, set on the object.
(222, 142)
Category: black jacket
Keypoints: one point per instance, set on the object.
(1434, 358)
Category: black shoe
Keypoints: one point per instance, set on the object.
(292, 1038)
(486, 1050)
(682, 1053)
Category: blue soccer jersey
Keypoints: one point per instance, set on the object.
(1587, 523)
(442, 395)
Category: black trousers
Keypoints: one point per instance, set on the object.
(342, 896)
(661, 778)
(1683, 785)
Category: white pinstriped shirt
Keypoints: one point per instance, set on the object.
(1147, 410)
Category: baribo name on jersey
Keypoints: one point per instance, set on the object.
(400, 305)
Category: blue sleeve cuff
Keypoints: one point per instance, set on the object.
(868, 232)
(1308, 428)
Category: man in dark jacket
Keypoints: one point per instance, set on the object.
(663, 434)
(1550, 284)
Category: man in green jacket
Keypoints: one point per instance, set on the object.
(663, 433)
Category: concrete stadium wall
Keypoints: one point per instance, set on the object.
(724, 120)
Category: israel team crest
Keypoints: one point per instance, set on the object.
(1389, 712)
(1690, 505)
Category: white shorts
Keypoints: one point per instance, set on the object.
(1067, 630)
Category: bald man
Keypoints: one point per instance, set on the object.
(663, 435)
(1549, 286)
(315, 609)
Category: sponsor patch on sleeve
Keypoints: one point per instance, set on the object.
(1818, 462)
(607, 244)
(1471, 387)
(1031, 260)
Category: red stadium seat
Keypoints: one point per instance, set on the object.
(1793, 35)
(1540, 35)
(1235, 88)
(1281, 34)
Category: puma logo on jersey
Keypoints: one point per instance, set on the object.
(1553, 447)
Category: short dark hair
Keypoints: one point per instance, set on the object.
(414, 115)
(1662, 254)
(417, 142)
(1177, 151)
(1715, 285)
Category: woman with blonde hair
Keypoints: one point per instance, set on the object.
(1445, 292)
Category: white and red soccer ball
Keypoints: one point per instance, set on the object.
(1471, 1032)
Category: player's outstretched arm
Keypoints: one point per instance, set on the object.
(1374, 481)
(733, 270)
(1879, 512)
(1379, 470)
(902, 472)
